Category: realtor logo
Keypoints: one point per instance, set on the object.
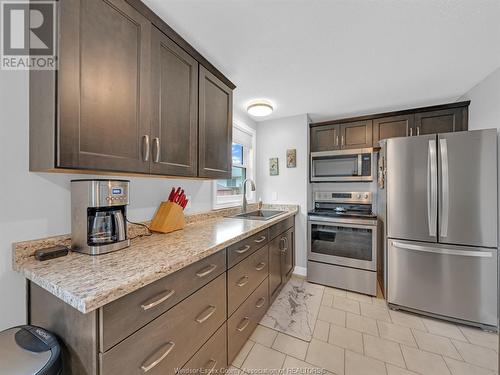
(28, 40)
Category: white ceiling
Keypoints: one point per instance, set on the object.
(335, 58)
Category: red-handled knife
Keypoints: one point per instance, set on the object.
(171, 196)
(176, 194)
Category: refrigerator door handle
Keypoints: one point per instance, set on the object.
(445, 199)
(432, 187)
(464, 253)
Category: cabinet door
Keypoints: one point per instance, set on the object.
(288, 254)
(174, 122)
(391, 127)
(356, 134)
(215, 126)
(325, 138)
(443, 121)
(275, 265)
(103, 84)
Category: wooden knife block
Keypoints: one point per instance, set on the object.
(169, 217)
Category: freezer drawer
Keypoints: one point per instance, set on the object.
(451, 281)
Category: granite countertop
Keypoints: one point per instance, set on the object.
(89, 282)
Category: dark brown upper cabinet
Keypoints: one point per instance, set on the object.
(368, 130)
(126, 97)
(325, 138)
(356, 134)
(174, 120)
(441, 121)
(392, 126)
(215, 126)
(104, 87)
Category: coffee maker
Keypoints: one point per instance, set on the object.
(99, 216)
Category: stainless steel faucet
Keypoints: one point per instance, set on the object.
(245, 192)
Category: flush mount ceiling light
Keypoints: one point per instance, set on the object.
(260, 108)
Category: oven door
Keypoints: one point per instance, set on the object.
(344, 244)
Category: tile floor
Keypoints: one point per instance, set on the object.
(358, 335)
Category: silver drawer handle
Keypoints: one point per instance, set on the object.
(207, 270)
(209, 311)
(145, 148)
(260, 266)
(243, 281)
(243, 249)
(157, 300)
(243, 324)
(167, 347)
(259, 304)
(211, 367)
(260, 239)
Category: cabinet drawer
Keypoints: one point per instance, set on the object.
(242, 249)
(282, 226)
(243, 278)
(212, 357)
(241, 325)
(126, 315)
(168, 342)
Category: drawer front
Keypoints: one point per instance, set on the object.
(170, 340)
(242, 249)
(243, 278)
(243, 322)
(281, 227)
(212, 357)
(126, 315)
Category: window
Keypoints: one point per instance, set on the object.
(228, 193)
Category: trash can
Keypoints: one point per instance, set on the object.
(29, 350)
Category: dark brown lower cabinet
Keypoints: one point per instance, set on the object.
(180, 321)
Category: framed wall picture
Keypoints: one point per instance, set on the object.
(291, 158)
(274, 169)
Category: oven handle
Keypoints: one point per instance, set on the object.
(330, 223)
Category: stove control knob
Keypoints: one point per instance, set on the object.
(358, 196)
(366, 196)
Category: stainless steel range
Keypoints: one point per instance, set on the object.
(343, 241)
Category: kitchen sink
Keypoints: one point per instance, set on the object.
(258, 215)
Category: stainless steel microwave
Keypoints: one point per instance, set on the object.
(342, 166)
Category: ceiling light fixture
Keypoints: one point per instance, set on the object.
(260, 108)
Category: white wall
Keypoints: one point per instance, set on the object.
(291, 186)
(36, 205)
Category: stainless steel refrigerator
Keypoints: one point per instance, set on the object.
(440, 196)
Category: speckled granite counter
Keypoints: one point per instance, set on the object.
(89, 282)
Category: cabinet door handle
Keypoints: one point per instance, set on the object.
(156, 146)
(411, 132)
(243, 281)
(243, 324)
(282, 243)
(337, 140)
(260, 239)
(157, 300)
(145, 147)
(418, 130)
(260, 266)
(209, 311)
(342, 141)
(243, 250)
(260, 302)
(166, 349)
(211, 366)
(206, 271)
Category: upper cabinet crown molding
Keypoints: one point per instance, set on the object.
(126, 98)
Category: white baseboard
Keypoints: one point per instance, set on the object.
(300, 271)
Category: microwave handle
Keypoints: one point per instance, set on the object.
(360, 165)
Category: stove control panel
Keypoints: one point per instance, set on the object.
(343, 197)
